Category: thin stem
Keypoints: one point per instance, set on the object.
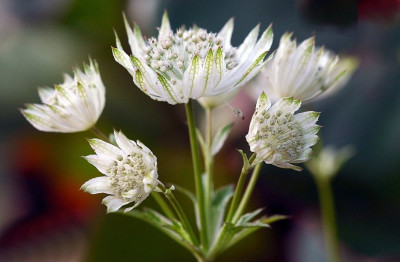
(239, 187)
(238, 193)
(163, 205)
(248, 192)
(197, 173)
(182, 217)
(99, 134)
(209, 161)
(328, 218)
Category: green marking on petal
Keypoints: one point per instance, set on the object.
(167, 87)
(194, 69)
(137, 63)
(219, 56)
(208, 63)
(139, 80)
(82, 93)
(62, 92)
(251, 68)
(35, 119)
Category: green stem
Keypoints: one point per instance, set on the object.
(182, 217)
(239, 187)
(99, 134)
(197, 173)
(328, 218)
(209, 161)
(163, 205)
(248, 192)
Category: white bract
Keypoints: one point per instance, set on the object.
(72, 106)
(303, 72)
(280, 137)
(130, 172)
(191, 63)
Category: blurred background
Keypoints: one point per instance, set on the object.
(44, 215)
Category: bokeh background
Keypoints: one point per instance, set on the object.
(45, 217)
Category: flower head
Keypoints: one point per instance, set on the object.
(191, 63)
(72, 106)
(280, 137)
(130, 172)
(303, 72)
(329, 160)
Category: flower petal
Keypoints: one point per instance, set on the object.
(97, 185)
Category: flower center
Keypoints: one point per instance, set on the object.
(171, 56)
(126, 176)
(281, 133)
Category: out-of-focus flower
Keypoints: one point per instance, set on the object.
(192, 63)
(72, 106)
(130, 172)
(329, 160)
(303, 72)
(280, 137)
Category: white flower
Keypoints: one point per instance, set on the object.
(191, 63)
(329, 160)
(303, 72)
(72, 106)
(280, 137)
(130, 172)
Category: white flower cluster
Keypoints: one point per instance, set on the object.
(192, 63)
(303, 72)
(130, 172)
(196, 64)
(280, 137)
(72, 106)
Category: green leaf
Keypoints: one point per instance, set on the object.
(193, 198)
(274, 218)
(219, 201)
(173, 229)
(248, 216)
(178, 228)
(220, 138)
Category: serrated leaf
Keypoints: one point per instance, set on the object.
(220, 138)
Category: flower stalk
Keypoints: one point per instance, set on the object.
(248, 192)
(181, 214)
(328, 217)
(238, 192)
(197, 173)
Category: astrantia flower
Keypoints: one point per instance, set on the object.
(303, 72)
(130, 172)
(329, 160)
(72, 106)
(280, 137)
(191, 63)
